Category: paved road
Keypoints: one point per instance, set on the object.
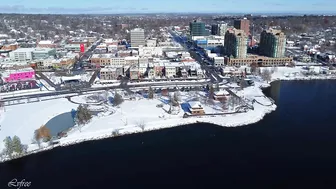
(210, 71)
(124, 85)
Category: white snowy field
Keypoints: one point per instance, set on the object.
(22, 120)
(126, 118)
(131, 114)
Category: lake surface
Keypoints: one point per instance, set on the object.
(293, 147)
(60, 123)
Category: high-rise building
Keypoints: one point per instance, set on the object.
(197, 29)
(219, 29)
(138, 37)
(242, 24)
(235, 43)
(214, 29)
(272, 43)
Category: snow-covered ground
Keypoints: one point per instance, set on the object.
(22, 120)
(57, 79)
(131, 115)
(126, 118)
(24, 92)
(296, 73)
(46, 85)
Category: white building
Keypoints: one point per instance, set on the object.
(138, 37)
(22, 54)
(118, 61)
(171, 68)
(131, 60)
(219, 61)
(150, 51)
(151, 43)
(112, 48)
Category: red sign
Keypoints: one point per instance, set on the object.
(82, 48)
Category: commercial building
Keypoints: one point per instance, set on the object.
(46, 44)
(197, 29)
(9, 47)
(235, 43)
(138, 37)
(219, 29)
(18, 75)
(74, 47)
(22, 54)
(242, 24)
(258, 60)
(219, 61)
(151, 42)
(111, 73)
(272, 43)
(42, 53)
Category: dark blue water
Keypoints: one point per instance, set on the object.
(294, 147)
(60, 123)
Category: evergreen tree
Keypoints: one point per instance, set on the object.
(17, 146)
(217, 87)
(8, 146)
(117, 99)
(83, 116)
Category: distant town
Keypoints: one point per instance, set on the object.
(195, 68)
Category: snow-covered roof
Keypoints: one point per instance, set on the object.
(195, 104)
(45, 42)
(221, 93)
(131, 58)
(76, 77)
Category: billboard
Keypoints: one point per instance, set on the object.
(82, 48)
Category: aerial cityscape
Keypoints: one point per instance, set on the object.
(72, 77)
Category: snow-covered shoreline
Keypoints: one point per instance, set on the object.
(108, 134)
(97, 130)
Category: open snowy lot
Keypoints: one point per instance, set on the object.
(22, 120)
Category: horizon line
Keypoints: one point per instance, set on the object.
(184, 13)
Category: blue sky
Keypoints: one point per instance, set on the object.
(167, 6)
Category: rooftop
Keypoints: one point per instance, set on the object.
(195, 104)
(24, 50)
(45, 42)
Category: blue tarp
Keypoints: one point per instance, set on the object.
(145, 95)
(110, 99)
(185, 107)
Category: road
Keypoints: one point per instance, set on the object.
(78, 65)
(123, 85)
(198, 55)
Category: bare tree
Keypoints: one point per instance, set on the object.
(150, 93)
(224, 103)
(142, 125)
(274, 69)
(211, 92)
(115, 132)
(254, 67)
(177, 96)
(266, 75)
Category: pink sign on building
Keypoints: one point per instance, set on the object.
(20, 76)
